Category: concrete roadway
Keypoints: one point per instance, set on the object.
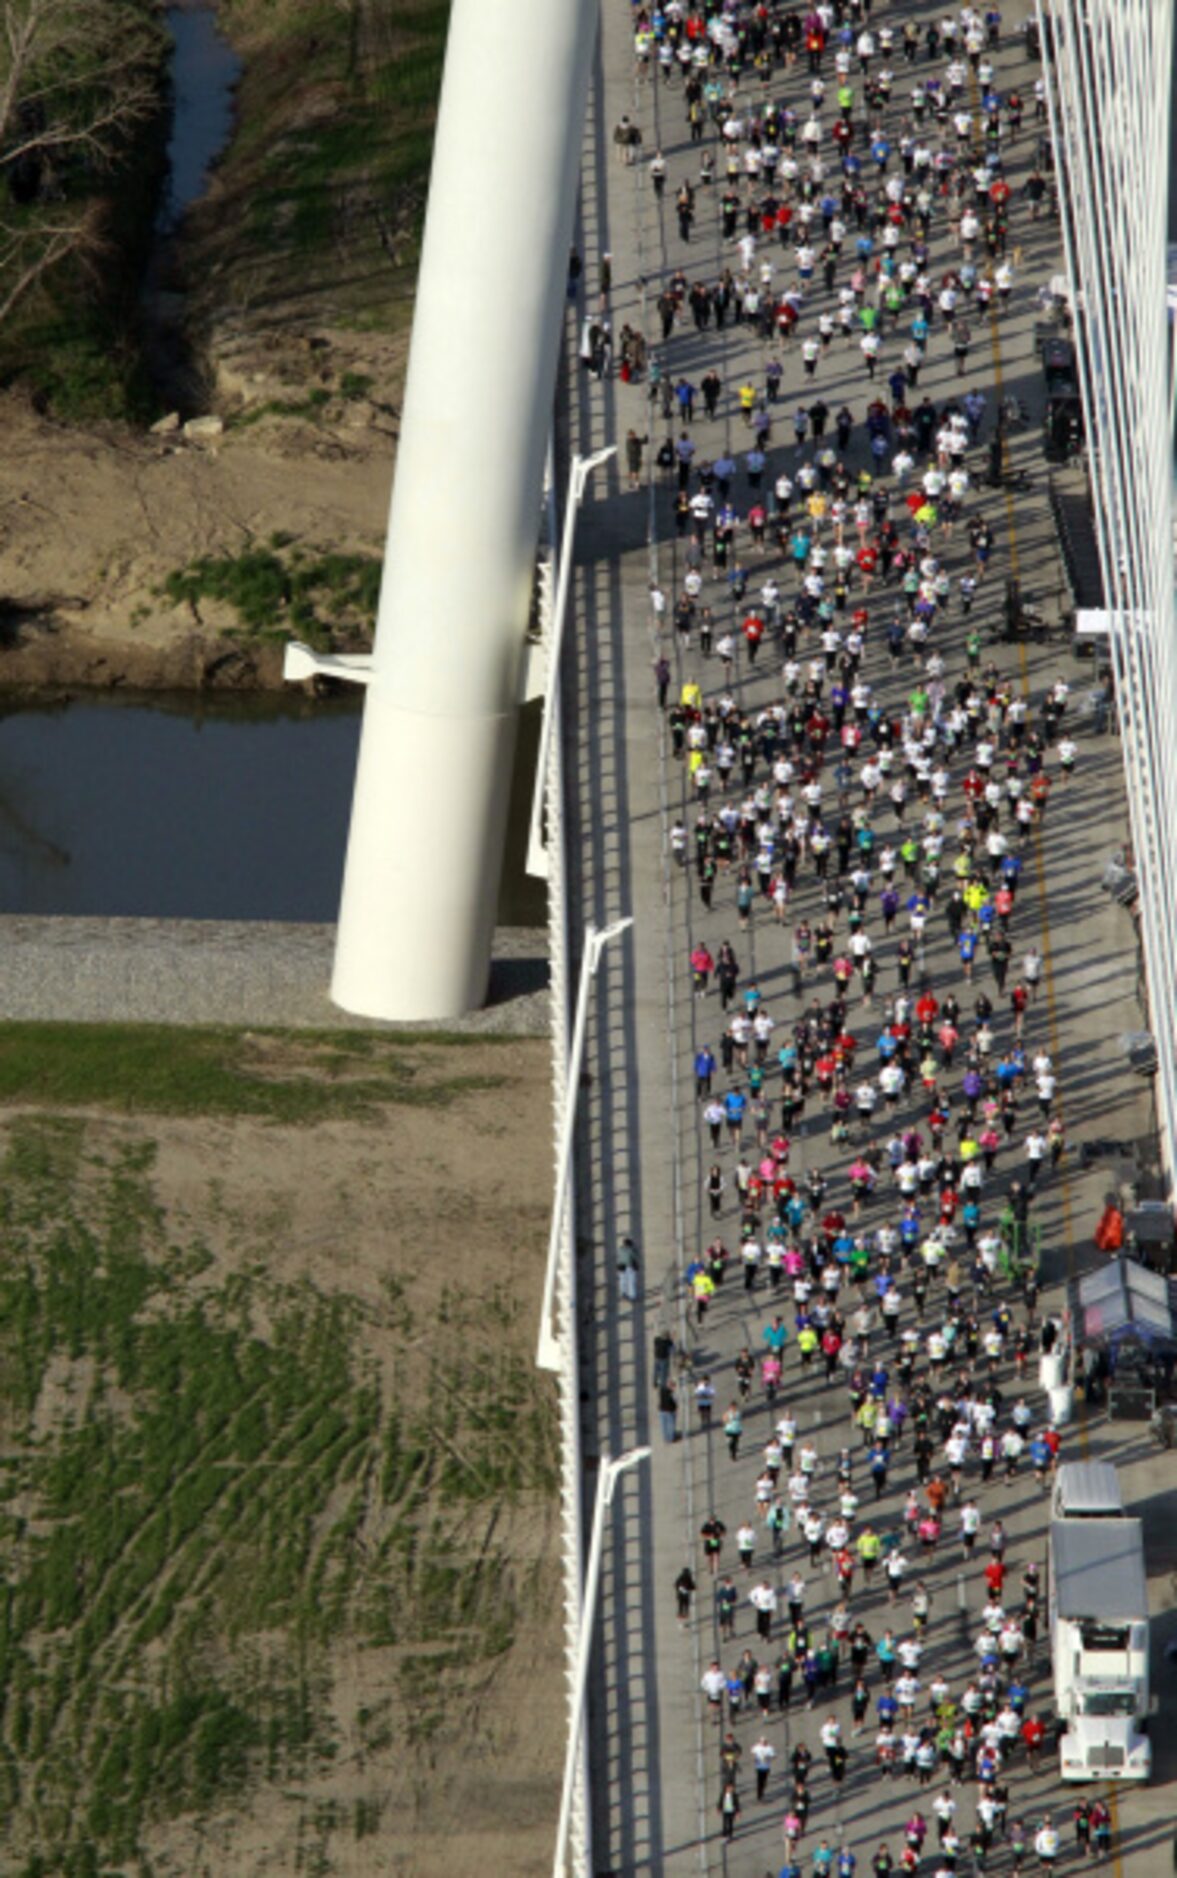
(643, 1159)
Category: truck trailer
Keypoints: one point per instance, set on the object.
(1099, 1647)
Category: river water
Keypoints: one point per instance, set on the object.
(183, 808)
(204, 70)
(163, 809)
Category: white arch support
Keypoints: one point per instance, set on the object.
(1108, 65)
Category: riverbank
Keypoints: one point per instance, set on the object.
(95, 523)
(291, 280)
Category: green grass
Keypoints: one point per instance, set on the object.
(289, 1077)
(312, 406)
(78, 361)
(204, 1485)
(331, 196)
(327, 600)
(383, 132)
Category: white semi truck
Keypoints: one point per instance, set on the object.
(1099, 1632)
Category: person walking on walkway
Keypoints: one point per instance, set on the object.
(628, 1267)
(668, 1410)
(763, 1755)
(664, 1347)
(684, 1591)
(729, 1809)
(712, 1533)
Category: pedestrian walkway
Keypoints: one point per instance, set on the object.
(865, 1142)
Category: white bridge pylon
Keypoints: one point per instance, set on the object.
(445, 679)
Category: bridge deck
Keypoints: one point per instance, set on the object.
(645, 1154)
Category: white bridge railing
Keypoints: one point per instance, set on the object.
(568, 1373)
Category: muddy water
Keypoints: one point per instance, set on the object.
(178, 808)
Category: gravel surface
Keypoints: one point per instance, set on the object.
(257, 973)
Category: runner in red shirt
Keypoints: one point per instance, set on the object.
(753, 634)
(1033, 1734)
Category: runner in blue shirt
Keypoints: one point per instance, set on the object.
(735, 1102)
(776, 1335)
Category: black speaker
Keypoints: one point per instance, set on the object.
(1130, 1403)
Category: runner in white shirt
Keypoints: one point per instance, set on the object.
(763, 1600)
(713, 1684)
(763, 1754)
(746, 1544)
(907, 1690)
(910, 1653)
(837, 1535)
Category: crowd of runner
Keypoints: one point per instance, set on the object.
(862, 786)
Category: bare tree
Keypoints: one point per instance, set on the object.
(77, 77)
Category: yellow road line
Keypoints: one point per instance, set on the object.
(1110, 1798)
(1039, 865)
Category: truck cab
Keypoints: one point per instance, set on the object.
(1087, 1490)
(1105, 1740)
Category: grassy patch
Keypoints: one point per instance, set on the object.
(312, 406)
(279, 1077)
(315, 404)
(79, 359)
(204, 1484)
(325, 181)
(327, 600)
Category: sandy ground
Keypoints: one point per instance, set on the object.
(93, 520)
(445, 1203)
